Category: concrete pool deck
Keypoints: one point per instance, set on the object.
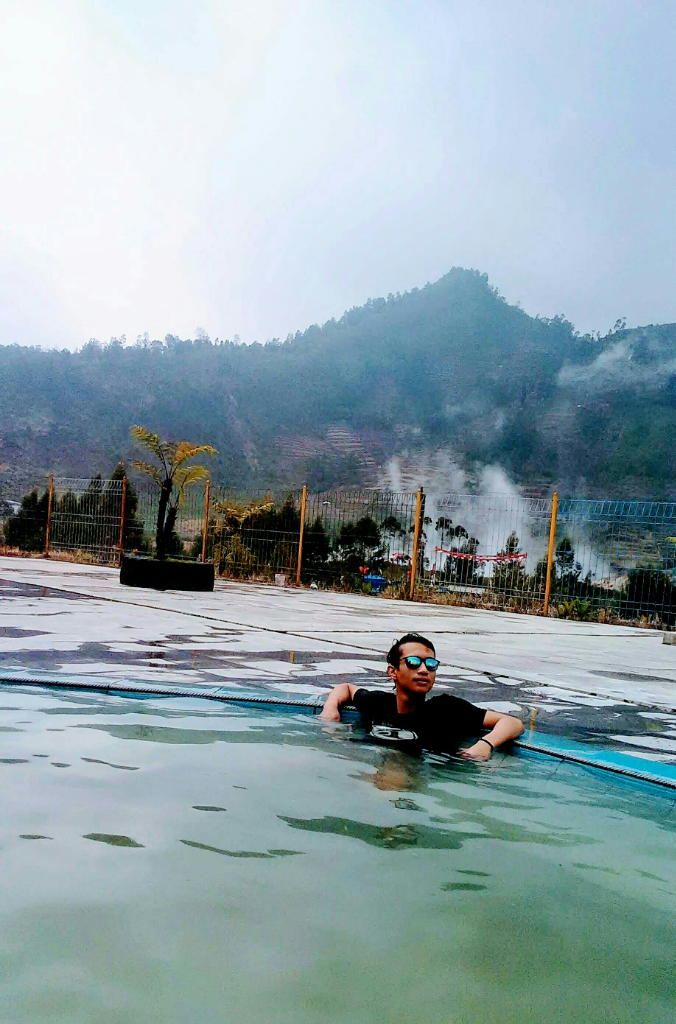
(599, 683)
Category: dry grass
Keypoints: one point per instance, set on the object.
(83, 557)
(18, 553)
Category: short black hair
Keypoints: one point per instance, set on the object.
(394, 653)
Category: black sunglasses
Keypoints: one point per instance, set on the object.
(413, 661)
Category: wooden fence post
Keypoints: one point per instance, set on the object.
(205, 525)
(416, 541)
(48, 531)
(124, 502)
(303, 504)
(550, 552)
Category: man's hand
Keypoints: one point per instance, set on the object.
(339, 695)
(478, 752)
(330, 714)
(503, 727)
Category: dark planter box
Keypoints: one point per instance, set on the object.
(166, 575)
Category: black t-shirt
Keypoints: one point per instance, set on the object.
(441, 723)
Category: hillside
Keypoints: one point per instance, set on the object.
(450, 369)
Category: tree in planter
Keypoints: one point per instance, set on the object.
(172, 476)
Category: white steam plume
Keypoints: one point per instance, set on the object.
(618, 368)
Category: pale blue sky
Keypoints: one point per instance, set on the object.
(254, 167)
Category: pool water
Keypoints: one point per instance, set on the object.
(177, 860)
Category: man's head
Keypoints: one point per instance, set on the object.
(406, 664)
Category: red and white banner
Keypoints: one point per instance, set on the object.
(502, 557)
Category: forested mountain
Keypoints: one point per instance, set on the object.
(448, 368)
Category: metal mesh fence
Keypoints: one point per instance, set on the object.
(612, 560)
(351, 540)
(486, 550)
(254, 534)
(359, 540)
(83, 519)
(86, 517)
(617, 558)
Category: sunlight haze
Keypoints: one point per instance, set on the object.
(252, 168)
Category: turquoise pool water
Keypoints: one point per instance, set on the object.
(180, 861)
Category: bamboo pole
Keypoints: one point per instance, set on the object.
(550, 552)
(303, 505)
(124, 502)
(205, 525)
(48, 531)
(416, 541)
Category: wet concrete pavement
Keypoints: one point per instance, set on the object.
(604, 684)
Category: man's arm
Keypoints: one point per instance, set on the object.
(503, 728)
(339, 695)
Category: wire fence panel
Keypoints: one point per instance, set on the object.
(616, 559)
(612, 560)
(86, 517)
(359, 540)
(352, 540)
(254, 534)
(487, 550)
(85, 520)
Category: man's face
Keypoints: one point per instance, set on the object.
(415, 681)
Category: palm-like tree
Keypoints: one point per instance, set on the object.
(230, 519)
(172, 476)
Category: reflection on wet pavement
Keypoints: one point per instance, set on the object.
(10, 589)
(12, 632)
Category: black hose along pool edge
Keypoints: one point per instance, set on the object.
(122, 687)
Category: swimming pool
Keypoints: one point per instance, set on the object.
(180, 860)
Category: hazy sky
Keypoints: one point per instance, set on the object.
(254, 166)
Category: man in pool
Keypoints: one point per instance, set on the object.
(406, 718)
